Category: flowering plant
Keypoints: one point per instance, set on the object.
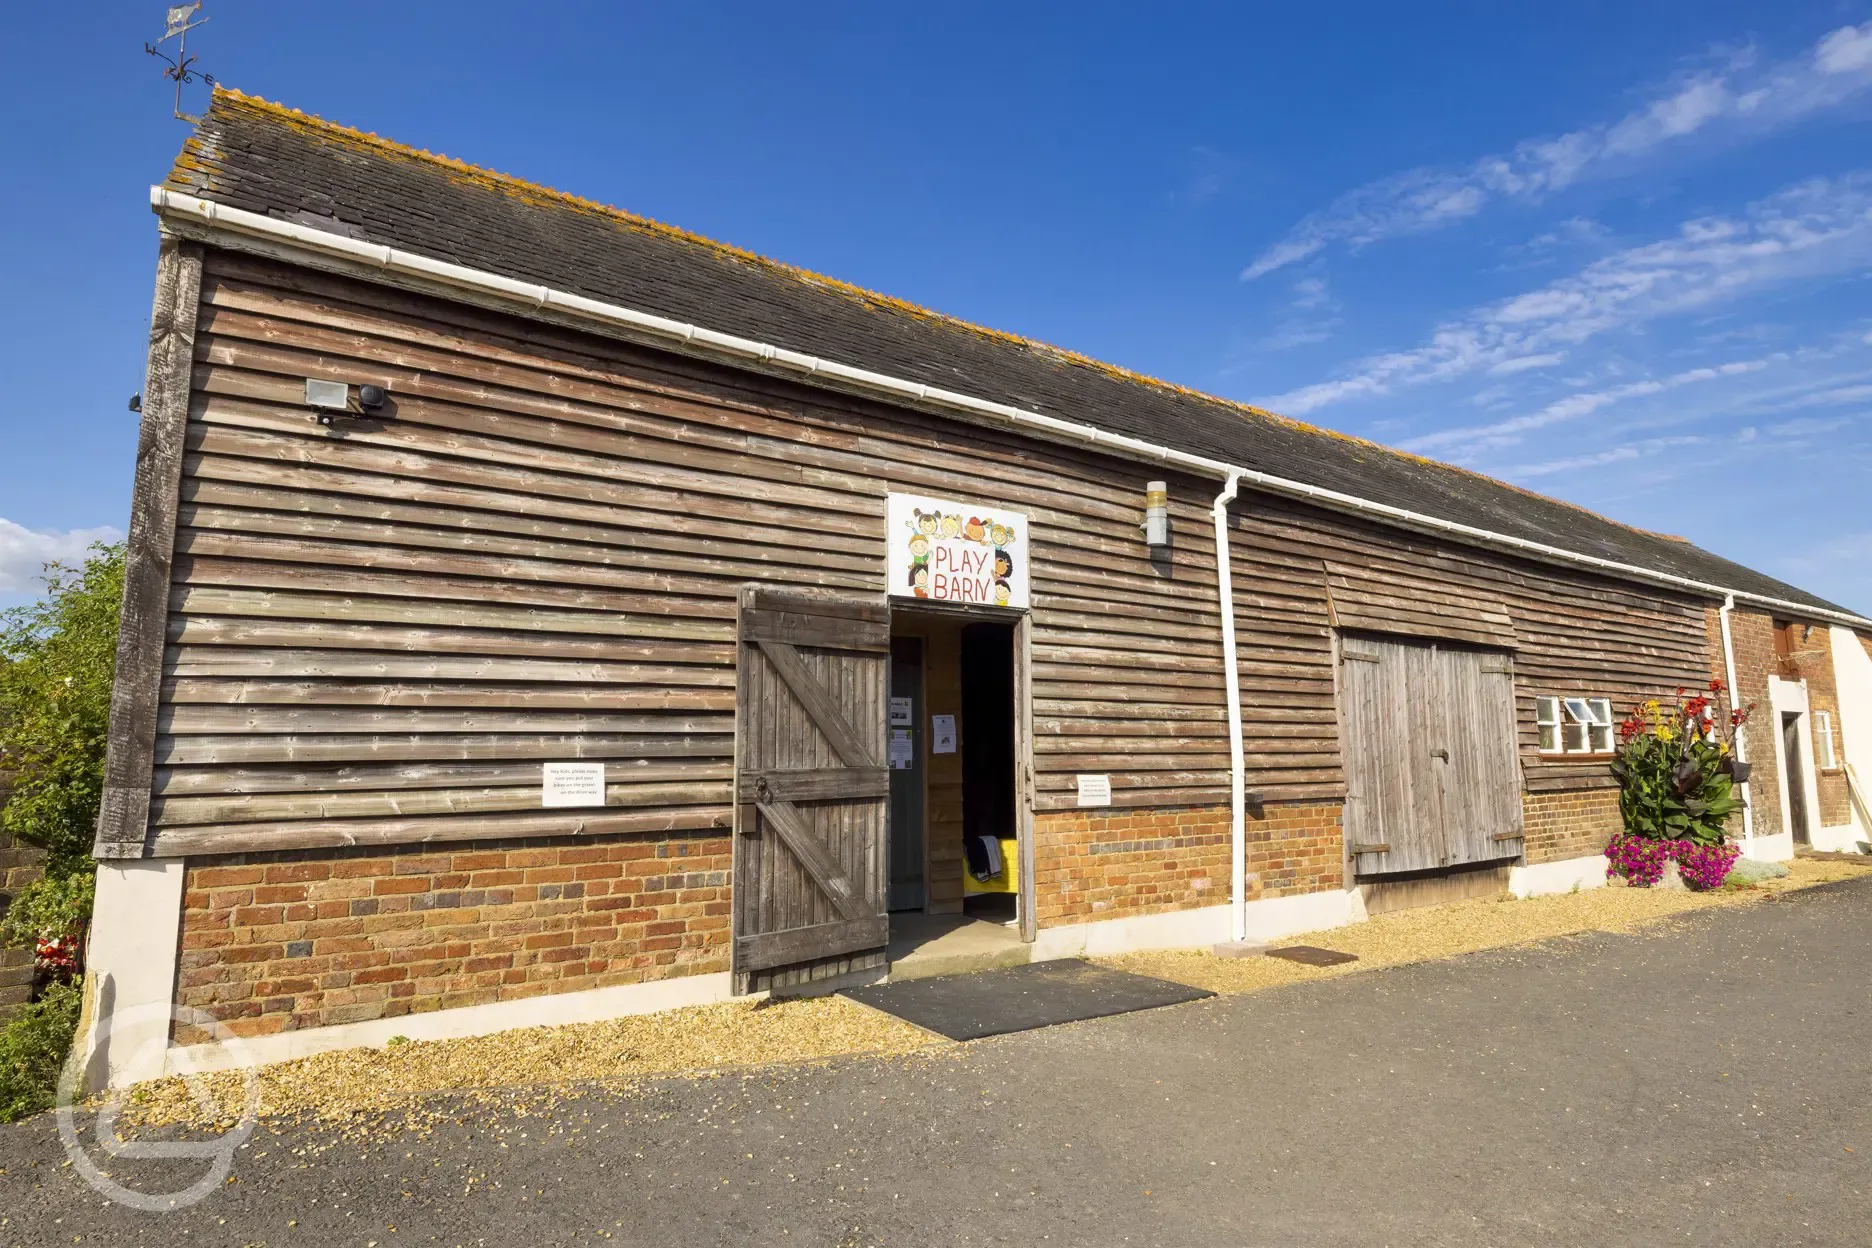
(1641, 860)
(1676, 768)
(58, 954)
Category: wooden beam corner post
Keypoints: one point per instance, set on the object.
(123, 812)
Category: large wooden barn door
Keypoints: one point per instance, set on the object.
(1432, 778)
(811, 789)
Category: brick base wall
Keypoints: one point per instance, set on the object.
(1091, 865)
(19, 866)
(1568, 824)
(275, 942)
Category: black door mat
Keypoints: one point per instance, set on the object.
(1021, 998)
(1312, 956)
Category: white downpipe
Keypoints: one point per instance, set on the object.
(1231, 682)
(169, 203)
(1741, 734)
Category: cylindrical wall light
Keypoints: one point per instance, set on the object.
(1156, 515)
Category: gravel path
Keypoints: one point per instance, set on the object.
(1707, 1083)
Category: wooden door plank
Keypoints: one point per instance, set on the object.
(811, 853)
(820, 703)
(765, 950)
(813, 784)
(814, 630)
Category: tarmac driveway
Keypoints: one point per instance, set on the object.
(1709, 1083)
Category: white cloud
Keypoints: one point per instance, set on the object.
(1847, 50)
(1807, 427)
(1808, 230)
(1617, 454)
(1521, 364)
(1311, 293)
(1572, 407)
(24, 551)
(1740, 96)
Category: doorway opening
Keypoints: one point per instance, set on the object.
(1794, 777)
(953, 843)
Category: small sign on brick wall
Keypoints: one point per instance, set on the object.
(1094, 790)
(572, 784)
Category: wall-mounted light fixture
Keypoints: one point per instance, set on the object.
(1157, 515)
(332, 399)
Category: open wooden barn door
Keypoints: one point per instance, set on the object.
(812, 790)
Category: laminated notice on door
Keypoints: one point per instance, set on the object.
(942, 734)
(900, 749)
(572, 784)
(900, 713)
(1095, 790)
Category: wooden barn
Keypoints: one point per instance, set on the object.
(538, 613)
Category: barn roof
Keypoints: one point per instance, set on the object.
(258, 156)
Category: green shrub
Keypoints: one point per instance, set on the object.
(56, 656)
(33, 1048)
(57, 905)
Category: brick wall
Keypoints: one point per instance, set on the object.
(1813, 654)
(1751, 634)
(1568, 824)
(275, 942)
(1106, 864)
(19, 866)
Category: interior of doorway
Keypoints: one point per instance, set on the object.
(1794, 777)
(952, 837)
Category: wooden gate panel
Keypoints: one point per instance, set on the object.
(811, 789)
(1432, 774)
(1483, 816)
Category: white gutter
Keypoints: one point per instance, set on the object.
(169, 203)
(1231, 680)
(1741, 733)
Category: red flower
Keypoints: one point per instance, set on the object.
(1716, 686)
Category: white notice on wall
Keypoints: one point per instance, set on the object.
(572, 784)
(942, 734)
(900, 747)
(900, 712)
(1095, 790)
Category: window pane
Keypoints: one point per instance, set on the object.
(1578, 711)
(1550, 738)
(1602, 711)
(1601, 738)
(1547, 710)
(1575, 737)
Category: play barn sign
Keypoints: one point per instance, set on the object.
(942, 550)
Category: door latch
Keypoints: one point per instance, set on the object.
(1442, 754)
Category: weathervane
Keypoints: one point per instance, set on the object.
(182, 68)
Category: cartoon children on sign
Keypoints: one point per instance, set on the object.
(955, 556)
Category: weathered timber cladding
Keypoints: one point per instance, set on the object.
(124, 807)
(378, 630)
(1574, 633)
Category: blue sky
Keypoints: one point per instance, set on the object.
(1617, 253)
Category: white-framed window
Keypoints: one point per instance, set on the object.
(1573, 725)
(1823, 732)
